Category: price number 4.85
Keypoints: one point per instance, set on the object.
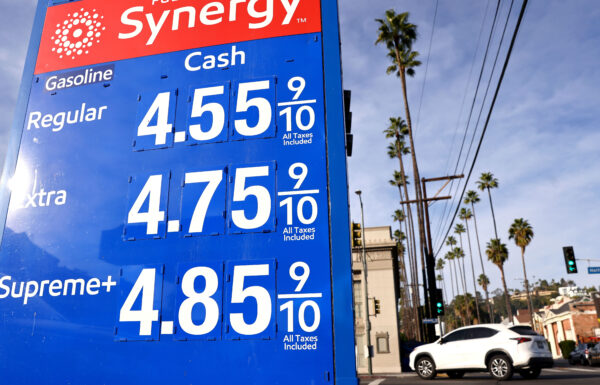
(243, 302)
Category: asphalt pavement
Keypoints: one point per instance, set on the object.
(567, 375)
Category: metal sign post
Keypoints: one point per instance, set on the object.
(176, 207)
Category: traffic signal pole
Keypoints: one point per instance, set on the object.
(365, 284)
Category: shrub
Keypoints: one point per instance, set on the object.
(566, 347)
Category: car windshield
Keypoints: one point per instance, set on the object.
(524, 330)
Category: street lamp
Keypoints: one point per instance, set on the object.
(366, 289)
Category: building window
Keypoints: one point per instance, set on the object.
(358, 304)
(383, 342)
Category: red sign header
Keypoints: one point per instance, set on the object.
(97, 31)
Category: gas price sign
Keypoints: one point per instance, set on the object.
(174, 197)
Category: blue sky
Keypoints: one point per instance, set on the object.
(542, 141)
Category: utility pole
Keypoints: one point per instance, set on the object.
(366, 291)
(430, 259)
(429, 284)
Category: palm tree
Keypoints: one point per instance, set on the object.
(398, 36)
(449, 258)
(484, 282)
(460, 230)
(407, 313)
(451, 241)
(400, 217)
(522, 232)
(487, 181)
(465, 215)
(397, 130)
(460, 254)
(497, 253)
(471, 198)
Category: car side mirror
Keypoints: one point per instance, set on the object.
(442, 341)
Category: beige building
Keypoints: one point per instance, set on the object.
(383, 283)
(568, 319)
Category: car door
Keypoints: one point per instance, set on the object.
(476, 346)
(448, 351)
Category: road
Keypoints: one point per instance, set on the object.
(558, 375)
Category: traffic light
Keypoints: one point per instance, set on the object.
(439, 303)
(377, 305)
(570, 261)
(356, 235)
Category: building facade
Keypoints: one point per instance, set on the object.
(383, 284)
(568, 319)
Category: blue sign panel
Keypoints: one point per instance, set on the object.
(594, 270)
(178, 204)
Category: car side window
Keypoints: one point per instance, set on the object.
(482, 332)
(457, 336)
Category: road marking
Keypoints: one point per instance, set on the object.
(377, 382)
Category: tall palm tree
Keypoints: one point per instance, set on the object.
(407, 309)
(400, 217)
(397, 130)
(487, 182)
(497, 253)
(471, 198)
(459, 229)
(458, 255)
(449, 258)
(522, 232)
(451, 241)
(484, 282)
(465, 215)
(398, 35)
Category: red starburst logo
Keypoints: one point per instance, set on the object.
(77, 34)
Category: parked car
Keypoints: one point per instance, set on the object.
(495, 348)
(594, 355)
(581, 354)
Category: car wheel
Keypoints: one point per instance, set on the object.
(530, 374)
(426, 368)
(456, 374)
(500, 367)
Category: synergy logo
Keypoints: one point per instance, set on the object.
(77, 34)
(91, 32)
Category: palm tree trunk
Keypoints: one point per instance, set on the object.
(451, 279)
(463, 276)
(415, 276)
(506, 297)
(487, 296)
(473, 272)
(417, 178)
(529, 304)
(493, 216)
(462, 272)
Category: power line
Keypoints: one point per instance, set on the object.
(490, 38)
(447, 167)
(488, 86)
(427, 62)
(478, 119)
(491, 109)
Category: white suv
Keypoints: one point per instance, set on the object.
(496, 348)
